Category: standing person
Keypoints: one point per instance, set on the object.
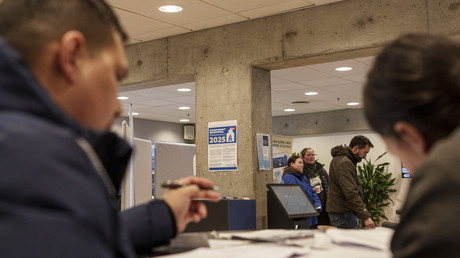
(60, 66)
(293, 174)
(420, 74)
(318, 178)
(345, 202)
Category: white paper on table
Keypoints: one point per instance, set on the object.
(244, 251)
(223, 243)
(273, 235)
(378, 238)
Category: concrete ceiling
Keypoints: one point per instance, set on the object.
(144, 22)
(335, 90)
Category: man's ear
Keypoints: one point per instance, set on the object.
(411, 136)
(72, 48)
(355, 149)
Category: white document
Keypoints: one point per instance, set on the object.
(269, 235)
(245, 251)
(222, 146)
(378, 238)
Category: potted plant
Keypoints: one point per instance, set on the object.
(377, 184)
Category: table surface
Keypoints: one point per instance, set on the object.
(318, 243)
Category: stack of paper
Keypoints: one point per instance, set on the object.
(245, 251)
(268, 235)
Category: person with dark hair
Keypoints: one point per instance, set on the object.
(412, 99)
(293, 174)
(318, 178)
(60, 65)
(345, 201)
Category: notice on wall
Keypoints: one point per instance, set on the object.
(264, 151)
(222, 146)
(282, 150)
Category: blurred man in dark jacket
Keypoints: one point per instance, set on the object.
(60, 65)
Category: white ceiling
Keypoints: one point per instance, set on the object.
(144, 22)
(335, 89)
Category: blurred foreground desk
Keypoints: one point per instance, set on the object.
(227, 215)
(332, 243)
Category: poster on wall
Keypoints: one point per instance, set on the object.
(264, 151)
(222, 146)
(282, 150)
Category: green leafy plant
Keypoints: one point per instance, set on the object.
(377, 184)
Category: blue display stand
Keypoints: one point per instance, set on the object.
(227, 215)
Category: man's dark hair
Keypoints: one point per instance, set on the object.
(29, 25)
(415, 79)
(361, 141)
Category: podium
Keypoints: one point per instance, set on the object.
(288, 207)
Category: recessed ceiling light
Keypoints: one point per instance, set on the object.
(184, 89)
(184, 120)
(135, 114)
(353, 103)
(289, 110)
(343, 68)
(311, 93)
(184, 108)
(122, 97)
(170, 8)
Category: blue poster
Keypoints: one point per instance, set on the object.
(222, 146)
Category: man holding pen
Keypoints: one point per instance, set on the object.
(60, 66)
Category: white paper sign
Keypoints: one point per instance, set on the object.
(222, 146)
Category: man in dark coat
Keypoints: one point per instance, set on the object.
(345, 202)
(60, 168)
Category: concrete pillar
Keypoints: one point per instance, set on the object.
(239, 93)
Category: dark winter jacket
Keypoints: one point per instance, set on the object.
(345, 190)
(428, 226)
(324, 180)
(55, 201)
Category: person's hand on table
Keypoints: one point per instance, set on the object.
(181, 200)
(369, 223)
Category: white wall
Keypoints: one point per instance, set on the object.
(323, 143)
(153, 130)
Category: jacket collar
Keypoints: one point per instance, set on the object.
(289, 170)
(20, 91)
(343, 150)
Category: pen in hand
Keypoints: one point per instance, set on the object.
(170, 184)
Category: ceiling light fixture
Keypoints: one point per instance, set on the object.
(289, 110)
(184, 89)
(343, 69)
(170, 8)
(122, 98)
(311, 93)
(299, 102)
(184, 120)
(353, 103)
(184, 108)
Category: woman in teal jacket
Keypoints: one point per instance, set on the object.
(293, 174)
